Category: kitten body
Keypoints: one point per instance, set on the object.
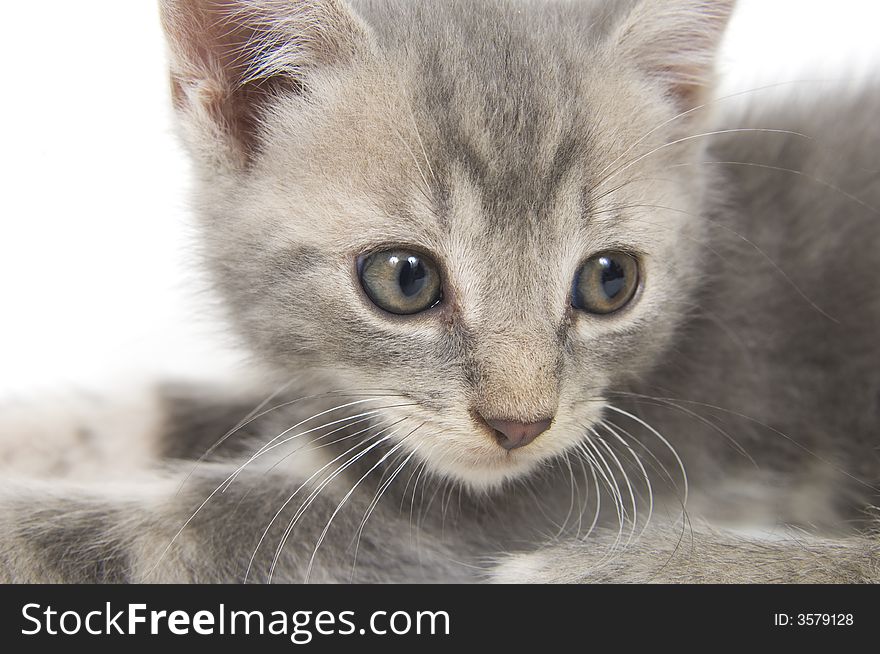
(510, 141)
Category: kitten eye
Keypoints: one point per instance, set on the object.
(400, 281)
(605, 283)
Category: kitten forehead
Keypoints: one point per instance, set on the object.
(490, 100)
(514, 118)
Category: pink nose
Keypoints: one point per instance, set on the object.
(512, 434)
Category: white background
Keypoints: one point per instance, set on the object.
(95, 280)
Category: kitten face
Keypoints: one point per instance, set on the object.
(507, 149)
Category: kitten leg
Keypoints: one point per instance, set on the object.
(164, 530)
(700, 556)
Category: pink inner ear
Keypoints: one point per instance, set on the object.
(228, 57)
(687, 87)
(235, 109)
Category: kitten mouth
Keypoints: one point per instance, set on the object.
(489, 467)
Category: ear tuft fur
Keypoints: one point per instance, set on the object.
(675, 42)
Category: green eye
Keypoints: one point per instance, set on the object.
(605, 283)
(401, 281)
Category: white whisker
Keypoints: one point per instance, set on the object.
(345, 499)
(692, 137)
(294, 494)
(275, 443)
(638, 462)
(315, 493)
(372, 506)
(635, 516)
(663, 440)
(614, 487)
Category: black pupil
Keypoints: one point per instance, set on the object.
(613, 277)
(412, 276)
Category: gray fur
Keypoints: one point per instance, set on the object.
(510, 140)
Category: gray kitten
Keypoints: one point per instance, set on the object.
(534, 306)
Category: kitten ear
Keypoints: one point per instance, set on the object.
(675, 42)
(229, 57)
